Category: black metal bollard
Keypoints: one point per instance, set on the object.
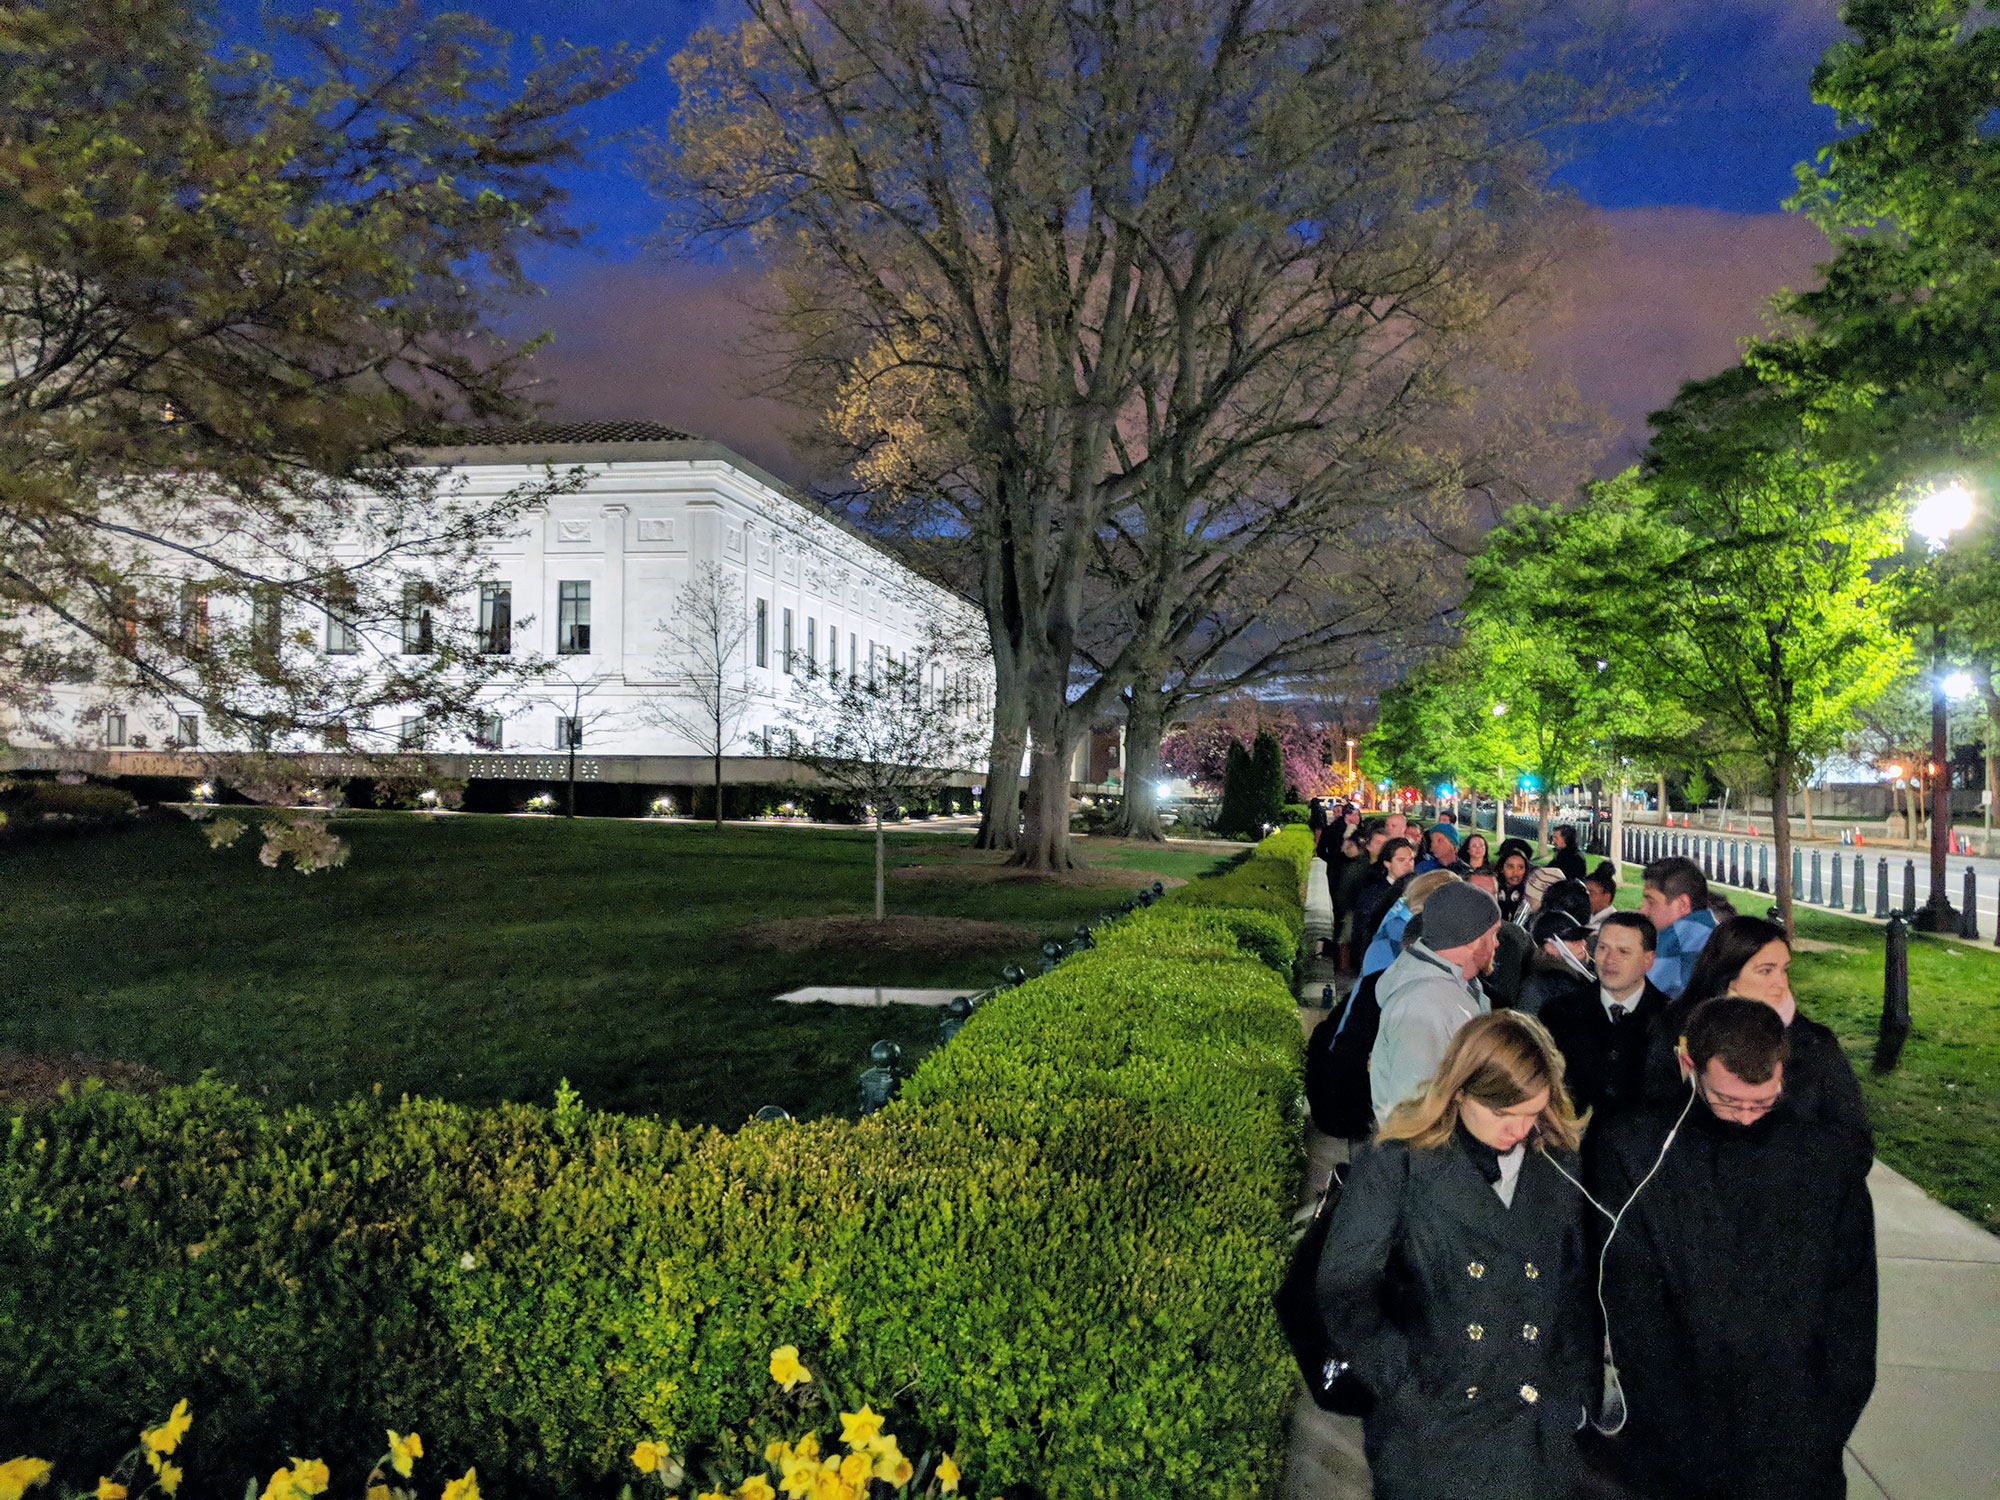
(1895, 997)
(957, 1011)
(1817, 898)
(880, 1083)
(1798, 875)
(1968, 917)
(1764, 869)
(1735, 874)
(1708, 857)
(1833, 897)
(1909, 887)
(1882, 886)
(1860, 887)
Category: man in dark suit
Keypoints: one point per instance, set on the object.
(1603, 1029)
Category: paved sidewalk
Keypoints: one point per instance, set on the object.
(1932, 1429)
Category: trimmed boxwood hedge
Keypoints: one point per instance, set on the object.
(1059, 1245)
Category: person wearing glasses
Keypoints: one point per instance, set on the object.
(1739, 1287)
(1750, 957)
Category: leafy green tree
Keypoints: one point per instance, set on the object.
(1739, 578)
(1239, 804)
(1267, 780)
(1437, 724)
(233, 296)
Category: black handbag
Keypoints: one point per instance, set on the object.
(1330, 1379)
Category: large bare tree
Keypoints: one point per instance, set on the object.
(1062, 264)
(702, 655)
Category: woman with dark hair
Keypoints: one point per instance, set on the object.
(1512, 870)
(1454, 1277)
(1385, 882)
(1472, 855)
(1751, 958)
(1567, 857)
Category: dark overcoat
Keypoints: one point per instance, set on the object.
(1468, 1320)
(1604, 1064)
(1741, 1293)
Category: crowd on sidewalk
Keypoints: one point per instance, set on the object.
(1606, 1229)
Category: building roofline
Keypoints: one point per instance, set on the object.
(692, 450)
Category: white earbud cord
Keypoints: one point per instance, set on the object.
(1614, 1391)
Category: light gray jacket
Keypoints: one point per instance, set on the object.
(1424, 1001)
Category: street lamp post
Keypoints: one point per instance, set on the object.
(1935, 518)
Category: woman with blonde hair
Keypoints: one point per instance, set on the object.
(1454, 1278)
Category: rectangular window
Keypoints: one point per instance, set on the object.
(418, 639)
(341, 637)
(871, 664)
(114, 728)
(812, 647)
(786, 644)
(187, 729)
(486, 732)
(410, 734)
(573, 618)
(853, 656)
(569, 732)
(496, 619)
(763, 634)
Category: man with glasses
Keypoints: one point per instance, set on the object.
(1739, 1287)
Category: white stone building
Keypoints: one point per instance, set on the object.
(587, 582)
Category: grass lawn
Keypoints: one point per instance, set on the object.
(1937, 1116)
(483, 958)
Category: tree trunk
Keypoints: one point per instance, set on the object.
(1000, 817)
(569, 793)
(1805, 806)
(1663, 798)
(1145, 723)
(881, 908)
(718, 791)
(1044, 842)
(1543, 839)
(1781, 836)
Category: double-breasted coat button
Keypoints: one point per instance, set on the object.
(1471, 1391)
(1528, 1332)
(1475, 1270)
(1474, 1332)
(1532, 1272)
(1530, 1395)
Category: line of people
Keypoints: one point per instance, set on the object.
(1607, 1223)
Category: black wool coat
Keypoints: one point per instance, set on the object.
(1820, 1085)
(1741, 1295)
(1468, 1320)
(1510, 966)
(1605, 1065)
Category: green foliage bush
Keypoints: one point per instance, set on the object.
(1060, 1243)
(84, 802)
(1293, 813)
(1238, 813)
(1267, 782)
(1270, 879)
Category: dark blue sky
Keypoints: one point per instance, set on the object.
(1692, 238)
(1725, 137)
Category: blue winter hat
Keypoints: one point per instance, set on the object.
(1448, 831)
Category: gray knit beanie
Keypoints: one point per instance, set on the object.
(1456, 915)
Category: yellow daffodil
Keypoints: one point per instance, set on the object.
(881, 1443)
(403, 1451)
(648, 1456)
(777, 1451)
(855, 1469)
(712, 1495)
(857, 1427)
(807, 1447)
(378, 1492)
(947, 1474)
(466, 1488)
(167, 1436)
(786, 1369)
(756, 1487)
(17, 1474)
(170, 1478)
(799, 1479)
(890, 1463)
(309, 1476)
(108, 1489)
